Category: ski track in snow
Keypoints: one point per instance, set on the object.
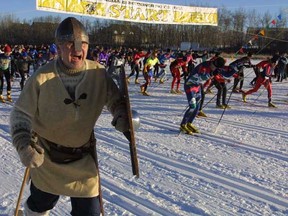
(240, 170)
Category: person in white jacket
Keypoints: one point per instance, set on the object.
(60, 104)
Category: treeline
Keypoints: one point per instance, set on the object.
(231, 32)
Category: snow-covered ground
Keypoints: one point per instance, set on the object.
(239, 169)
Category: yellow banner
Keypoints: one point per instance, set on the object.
(133, 11)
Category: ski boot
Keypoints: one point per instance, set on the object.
(9, 98)
(2, 100)
(270, 104)
(208, 91)
(185, 129)
(172, 91)
(145, 93)
(226, 106)
(192, 128)
(244, 97)
(201, 114)
(219, 106)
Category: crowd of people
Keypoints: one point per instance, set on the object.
(199, 76)
(154, 65)
(16, 61)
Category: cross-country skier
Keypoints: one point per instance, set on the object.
(164, 60)
(264, 78)
(5, 65)
(23, 64)
(222, 76)
(135, 65)
(178, 65)
(115, 62)
(209, 83)
(281, 66)
(148, 71)
(192, 88)
(60, 104)
(239, 65)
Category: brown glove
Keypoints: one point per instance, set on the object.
(31, 155)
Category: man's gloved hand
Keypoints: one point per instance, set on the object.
(121, 123)
(31, 155)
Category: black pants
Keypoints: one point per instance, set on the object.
(22, 74)
(239, 79)
(202, 97)
(221, 93)
(6, 74)
(134, 68)
(40, 201)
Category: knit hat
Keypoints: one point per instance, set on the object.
(219, 62)
(7, 49)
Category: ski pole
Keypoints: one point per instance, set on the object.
(25, 178)
(259, 95)
(223, 112)
(257, 99)
(209, 101)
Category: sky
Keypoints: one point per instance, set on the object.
(27, 9)
(236, 166)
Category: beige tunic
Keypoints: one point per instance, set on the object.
(66, 124)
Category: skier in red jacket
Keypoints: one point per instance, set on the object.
(264, 79)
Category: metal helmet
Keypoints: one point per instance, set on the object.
(71, 29)
(135, 120)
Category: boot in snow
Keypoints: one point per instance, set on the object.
(185, 129)
(219, 106)
(2, 99)
(9, 98)
(172, 91)
(142, 89)
(201, 114)
(192, 128)
(208, 91)
(227, 106)
(145, 93)
(244, 97)
(270, 104)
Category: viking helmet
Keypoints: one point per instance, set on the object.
(70, 29)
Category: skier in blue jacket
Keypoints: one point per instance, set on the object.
(192, 87)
